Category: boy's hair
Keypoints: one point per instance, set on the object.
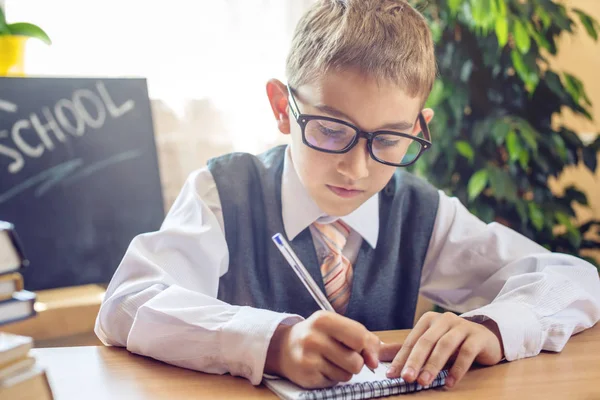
(387, 40)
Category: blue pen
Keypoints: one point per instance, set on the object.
(303, 274)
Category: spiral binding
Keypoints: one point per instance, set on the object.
(368, 390)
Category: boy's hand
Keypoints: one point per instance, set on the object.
(321, 351)
(438, 338)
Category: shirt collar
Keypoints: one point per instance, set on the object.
(294, 197)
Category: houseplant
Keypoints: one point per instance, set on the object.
(495, 145)
(12, 44)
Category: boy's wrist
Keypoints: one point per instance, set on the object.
(274, 351)
(493, 327)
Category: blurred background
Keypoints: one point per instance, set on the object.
(517, 100)
(207, 64)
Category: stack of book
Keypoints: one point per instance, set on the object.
(20, 377)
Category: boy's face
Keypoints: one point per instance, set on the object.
(340, 183)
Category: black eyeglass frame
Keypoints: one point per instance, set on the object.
(303, 120)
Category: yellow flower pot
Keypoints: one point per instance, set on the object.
(12, 55)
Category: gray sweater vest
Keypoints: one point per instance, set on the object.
(386, 279)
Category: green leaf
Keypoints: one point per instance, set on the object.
(524, 159)
(477, 183)
(539, 38)
(513, 145)
(555, 85)
(536, 216)
(436, 31)
(544, 16)
(589, 23)
(562, 219)
(499, 131)
(3, 26)
(559, 146)
(522, 38)
(521, 210)
(530, 78)
(502, 184)
(454, 5)
(465, 149)
(501, 6)
(572, 87)
(480, 132)
(437, 94)
(483, 14)
(30, 30)
(502, 30)
(574, 238)
(528, 134)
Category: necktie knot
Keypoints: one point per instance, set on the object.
(334, 234)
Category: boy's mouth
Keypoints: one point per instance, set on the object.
(345, 192)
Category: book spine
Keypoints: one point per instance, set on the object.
(18, 284)
(17, 245)
(31, 301)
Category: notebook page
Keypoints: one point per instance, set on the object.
(365, 375)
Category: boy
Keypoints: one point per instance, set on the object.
(210, 291)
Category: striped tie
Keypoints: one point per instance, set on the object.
(336, 269)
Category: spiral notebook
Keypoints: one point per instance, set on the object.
(364, 385)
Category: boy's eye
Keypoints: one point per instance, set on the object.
(329, 131)
(332, 130)
(386, 141)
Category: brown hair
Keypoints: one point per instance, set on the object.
(387, 40)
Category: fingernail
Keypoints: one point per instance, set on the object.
(450, 381)
(392, 372)
(409, 374)
(425, 378)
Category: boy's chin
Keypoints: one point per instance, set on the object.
(339, 208)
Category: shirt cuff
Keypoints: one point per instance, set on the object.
(246, 338)
(518, 325)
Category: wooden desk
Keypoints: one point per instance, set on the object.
(114, 373)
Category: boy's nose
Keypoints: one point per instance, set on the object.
(354, 164)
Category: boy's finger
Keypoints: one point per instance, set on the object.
(440, 355)
(333, 373)
(421, 351)
(466, 356)
(398, 363)
(343, 357)
(349, 332)
(388, 351)
(371, 358)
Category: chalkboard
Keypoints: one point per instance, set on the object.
(79, 174)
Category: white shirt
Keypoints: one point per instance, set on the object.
(162, 300)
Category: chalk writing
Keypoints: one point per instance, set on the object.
(69, 117)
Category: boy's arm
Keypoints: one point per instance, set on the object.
(537, 298)
(161, 301)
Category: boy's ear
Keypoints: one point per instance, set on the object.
(428, 115)
(278, 98)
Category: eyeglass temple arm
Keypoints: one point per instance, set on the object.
(295, 109)
(424, 127)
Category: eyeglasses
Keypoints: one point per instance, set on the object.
(332, 135)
